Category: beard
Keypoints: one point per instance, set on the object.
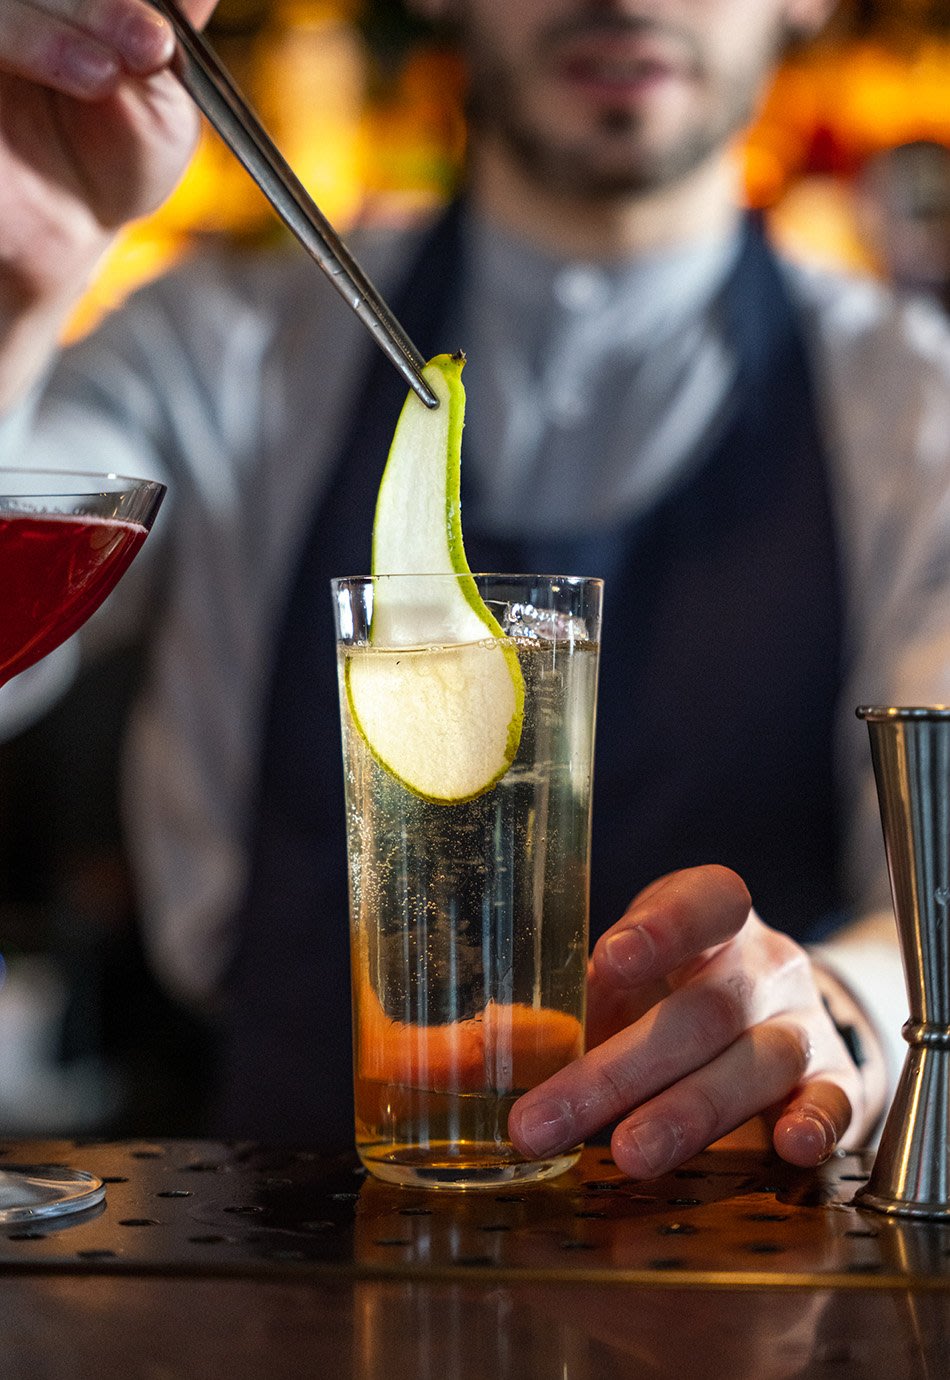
(627, 167)
(619, 156)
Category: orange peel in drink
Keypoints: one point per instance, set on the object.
(504, 1048)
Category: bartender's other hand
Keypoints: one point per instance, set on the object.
(95, 131)
(85, 47)
(700, 1017)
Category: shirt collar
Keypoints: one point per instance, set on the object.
(634, 301)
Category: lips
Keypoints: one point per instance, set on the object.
(613, 74)
(616, 65)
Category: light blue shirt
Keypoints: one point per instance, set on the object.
(233, 378)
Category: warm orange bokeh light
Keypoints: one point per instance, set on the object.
(383, 150)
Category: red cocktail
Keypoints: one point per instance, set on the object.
(54, 572)
(65, 541)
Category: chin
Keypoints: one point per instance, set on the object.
(603, 175)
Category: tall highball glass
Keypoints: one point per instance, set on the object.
(469, 921)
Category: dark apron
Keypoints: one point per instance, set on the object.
(721, 669)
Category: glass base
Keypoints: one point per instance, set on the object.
(29, 1193)
(435, 1166)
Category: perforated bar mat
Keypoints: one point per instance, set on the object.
(190, 1207)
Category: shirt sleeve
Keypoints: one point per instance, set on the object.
(83, 415)
(884, 372)
(865, 958)
(229, 380)
(168, 388)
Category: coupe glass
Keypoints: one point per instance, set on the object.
(66, 538)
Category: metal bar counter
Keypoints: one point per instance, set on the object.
(209, 1259)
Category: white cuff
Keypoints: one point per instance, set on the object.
(865, 957)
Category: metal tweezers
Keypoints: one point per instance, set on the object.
(214, 92)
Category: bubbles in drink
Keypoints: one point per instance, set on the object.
(470, 928)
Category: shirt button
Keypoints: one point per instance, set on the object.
(580, 289)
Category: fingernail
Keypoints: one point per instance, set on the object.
(656, 1144)
(630, 953)
(543, 1127)
(145, 41)
(815, 1135)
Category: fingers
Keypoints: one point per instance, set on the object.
(83, 47)
(670, 928)
(670, 924)
(744, 1033)
(812, 1123)
(739, 1031)
(759, 1068)
(693, 1025)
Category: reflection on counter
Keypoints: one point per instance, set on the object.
(270, 1263)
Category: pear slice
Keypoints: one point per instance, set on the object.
(439, 695)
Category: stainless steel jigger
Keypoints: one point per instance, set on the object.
(910, 749)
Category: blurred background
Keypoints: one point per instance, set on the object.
(368, 110)
(850, 162)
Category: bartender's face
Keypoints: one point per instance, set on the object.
(607, 97)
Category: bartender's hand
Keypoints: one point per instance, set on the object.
(94, 132)
(701, 1018)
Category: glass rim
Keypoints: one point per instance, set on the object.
(103, 479)
(513, 577)
(886, 713)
